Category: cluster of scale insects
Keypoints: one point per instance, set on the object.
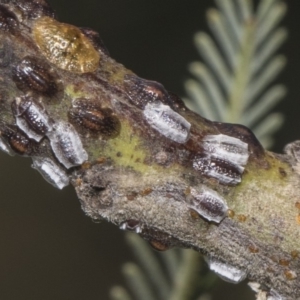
(221, 156)
(68, 48)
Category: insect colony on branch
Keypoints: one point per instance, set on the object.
(221, 157)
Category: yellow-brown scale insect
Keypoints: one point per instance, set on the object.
(65, 46)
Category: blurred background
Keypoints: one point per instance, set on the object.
(49, 248)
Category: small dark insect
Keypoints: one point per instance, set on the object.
(33, 75)
(89, 115)
(31, 117)
(34, 9)
(142, 91)
(17, 140)
(8, 20)
(65, 46)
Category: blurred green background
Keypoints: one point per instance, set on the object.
(49, 248)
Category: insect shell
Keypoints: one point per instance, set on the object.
(33, 9)
(131, 225)
(227, 148)
(8, 20)
(31, 74)
(65, 46)
(66, 145)
(167, 122)
(208, 204)
(159, 245)
(225, 271)
(51, 172)
(89, 115)
(17, 140)
(223, 158)
(142, 91)
(31, 117)
(222, 170)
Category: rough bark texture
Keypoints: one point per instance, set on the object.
(138, 176)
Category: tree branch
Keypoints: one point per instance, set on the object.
(153, 166)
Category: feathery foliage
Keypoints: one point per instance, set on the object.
(233, 84)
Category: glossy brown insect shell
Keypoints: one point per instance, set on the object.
(65, 46)
(8, 20)
(33, 75)
(159, 246)
(17, 140)
(89, 115)
(142, 91)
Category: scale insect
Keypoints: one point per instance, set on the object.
(65, 46)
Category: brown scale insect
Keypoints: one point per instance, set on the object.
(65, 46)
(31, 117)
(8, 20)
(17, 140)
(159, 246)
(32, 74)
(89, 115)
(34, 9)
(142, 91)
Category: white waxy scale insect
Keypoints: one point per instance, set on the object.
(226, 147)
(208, 204)
(32, 118)
(51, 172)
(225, 271)
(222, 170)
(224, 158)
(167, 122)
(6, 148)
(131, 225)
(66, 145)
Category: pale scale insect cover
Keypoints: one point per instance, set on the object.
(167, 122)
